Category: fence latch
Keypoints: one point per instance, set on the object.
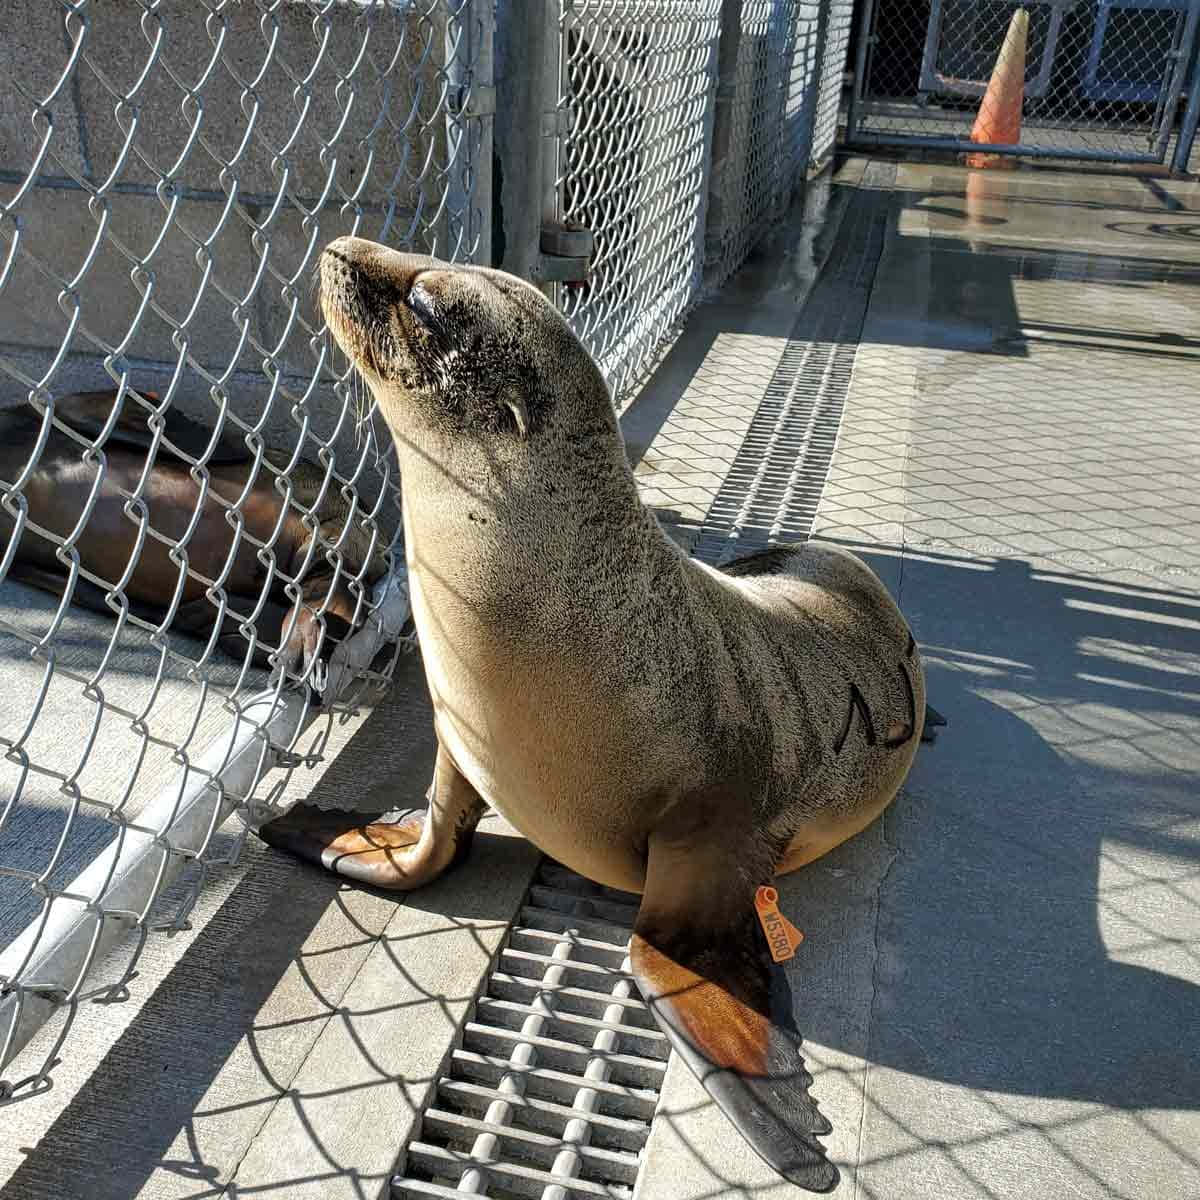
(566, 252)
(558, 121)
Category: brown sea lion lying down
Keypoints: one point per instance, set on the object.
(655, 724)
(57, 490)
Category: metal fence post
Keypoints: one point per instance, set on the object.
(781, 38)
(523, 30)
(1191, 119)
(470, 113)
(812, 91)
(866, 36)
(729, 48)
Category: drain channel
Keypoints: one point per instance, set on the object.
(774, 486)
(553, 1089)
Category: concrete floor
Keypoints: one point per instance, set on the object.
(1000, 986)
(283, 1044)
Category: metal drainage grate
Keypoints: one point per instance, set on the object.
(553, 1089)
(774, 485)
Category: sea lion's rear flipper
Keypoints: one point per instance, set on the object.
(701, 961)
(88, 412)
(396, 855)
(933, 719)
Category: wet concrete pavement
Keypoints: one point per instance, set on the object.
(1000, 988)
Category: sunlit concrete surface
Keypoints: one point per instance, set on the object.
(285, 1042)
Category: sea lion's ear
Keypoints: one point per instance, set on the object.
(515, 403)
(701, 961)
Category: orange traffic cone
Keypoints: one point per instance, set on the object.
(999, 119)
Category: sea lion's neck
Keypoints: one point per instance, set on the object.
(526, 549)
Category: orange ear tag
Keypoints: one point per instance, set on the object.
(782, 936)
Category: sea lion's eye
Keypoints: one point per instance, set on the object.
(421, 304)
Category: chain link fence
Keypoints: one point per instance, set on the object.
(756, 163)
(199, 565)
(197, 510)
(635, 105)
(1101, 81)
(199, 562)
(677, 134)
(833, 44)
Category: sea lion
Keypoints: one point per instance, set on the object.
(252, 591)
(654, 723)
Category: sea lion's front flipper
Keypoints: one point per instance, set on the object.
(396, 855)
(701, 961)
(88, 412)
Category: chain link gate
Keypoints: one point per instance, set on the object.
(634, 106)
(1104, 79)
(835, 45)
(169, 171)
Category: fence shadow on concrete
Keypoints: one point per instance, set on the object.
(1026, 931)
(220, 1042)
(1030, 899)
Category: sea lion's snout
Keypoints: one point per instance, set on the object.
(390, 311)
(362, 286)
(356, 263)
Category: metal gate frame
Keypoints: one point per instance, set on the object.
(1173, 92)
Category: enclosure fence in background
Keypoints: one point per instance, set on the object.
(832, 25)
(182, 453)
(1102, 80)
(635, 105)
(756, 164)
(675, 133)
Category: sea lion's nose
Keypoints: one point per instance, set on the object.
(354, 254)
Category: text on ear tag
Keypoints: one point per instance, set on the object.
(782, 936)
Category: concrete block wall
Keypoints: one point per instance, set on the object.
(343, 121)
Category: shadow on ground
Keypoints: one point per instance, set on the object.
(269, 969)
(1038, 922)
(1037, 903)
(1013, 954)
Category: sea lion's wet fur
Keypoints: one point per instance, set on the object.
(58, 488)
(654, 723)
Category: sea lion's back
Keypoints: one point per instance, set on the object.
(847, 655)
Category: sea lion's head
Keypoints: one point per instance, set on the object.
(460, 352)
